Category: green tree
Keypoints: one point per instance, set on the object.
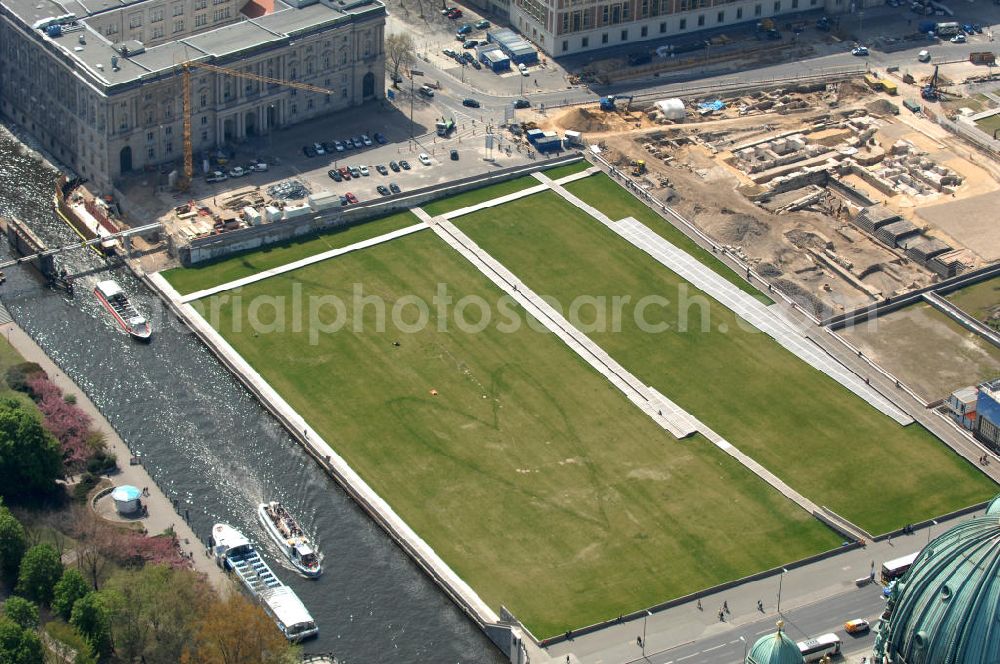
(13, 543)
(21, 611)
(19, 645)
(92, 616)
(71, 587)
(72, 638)
(30, 458)
(40, 571)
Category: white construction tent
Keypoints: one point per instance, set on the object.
(672, 109)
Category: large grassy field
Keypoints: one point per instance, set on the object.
(817, 436)
(481, 195)
(607, 196)
(978, 300)
(538, 482)
(205, 275)
(569, 169)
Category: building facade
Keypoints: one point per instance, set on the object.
(962, 406)
(988, 414)
(100, 86)
(565, 27)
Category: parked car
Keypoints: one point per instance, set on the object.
(394, 166)
(426, 91)
(424, 158)
(344, 173)
(215, 176)
(958, 39)
(967, 28)
(338, 146)
(448, 10)
(318, 147)
(309, 151)
(924, 56)
(455, 13)
(364, 171)
(237, 172)
(351, 198)
(405, 165)
(343, 200)
(859, 50)
(364, 139)
(454, 155)
(354, 171)
(471, 43)
(475, 64)
(523, 69)
(465, 29)
(335, 175)
(380, 139)
(471, 103)
(259, 167)
(449, 52)
(328, 147)
(522, 103)
(394, 188)
(978, 29)
(482, 25)
(348, 144)
(358, 143)
(382, 189)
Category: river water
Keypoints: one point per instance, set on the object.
(209, 444)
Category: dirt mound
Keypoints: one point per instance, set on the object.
(803, 298)
(590, 120)
(769, 270)
(739, 227)
(803, 239)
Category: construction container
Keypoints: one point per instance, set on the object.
(982, 58)
(272, 214)
(251, 216)
(298, 211)
(889, 87)
(573, 138)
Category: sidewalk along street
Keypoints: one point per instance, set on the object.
(161, 514)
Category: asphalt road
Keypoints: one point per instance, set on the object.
(821, 617)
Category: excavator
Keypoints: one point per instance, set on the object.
(638, 166)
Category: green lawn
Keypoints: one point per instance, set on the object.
(607, 196)
(480, 195)
(538, 482)
(978, 300)
(568, 169)
(817, 436)
(989, 124)
(205, 275)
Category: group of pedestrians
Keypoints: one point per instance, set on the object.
(984, 460)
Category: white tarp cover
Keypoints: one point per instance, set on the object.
(672, 109)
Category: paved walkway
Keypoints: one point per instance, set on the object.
(161, 511)
(739, 302)
(493, 202)
(295, 265)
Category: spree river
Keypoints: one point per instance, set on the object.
(209, 444)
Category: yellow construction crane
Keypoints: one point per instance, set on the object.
(186, 83)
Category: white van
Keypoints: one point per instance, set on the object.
(924, 56)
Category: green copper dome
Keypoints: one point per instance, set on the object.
(946, 608)
(994, 506)
(775, 649)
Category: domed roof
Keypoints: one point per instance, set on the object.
(947, 607)
(775, 649)
(994, 506)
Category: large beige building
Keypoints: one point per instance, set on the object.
(98, 82)
(564, 27)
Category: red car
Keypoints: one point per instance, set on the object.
(346, 174)
(455, 13)
(351, 198)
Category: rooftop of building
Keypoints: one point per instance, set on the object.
(991, 388)
(268, 29)
(967, 394)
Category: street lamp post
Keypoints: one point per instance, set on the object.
(933, 523)
(644, 618)
(781, 579)
(744, 640)
(413, 75)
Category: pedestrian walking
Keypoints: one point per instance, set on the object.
(699, 605)
(725, 607)
(760, 606)
(722, 617)
(638, 641)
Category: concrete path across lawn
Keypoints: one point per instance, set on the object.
(493, 202)
(667, 414)
(739, 302)
(295, 265)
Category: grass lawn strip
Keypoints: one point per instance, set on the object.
(481, 195)
(568, 169)
(794, 420)
(542, 487)
(978, 300)
(188, 280)
(607, 196)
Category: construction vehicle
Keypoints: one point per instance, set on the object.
(609, 103)
(186, 68)
(445, 126)
(765, 28)
(638, 166)
(930, 91)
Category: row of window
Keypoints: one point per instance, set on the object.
(574, 22)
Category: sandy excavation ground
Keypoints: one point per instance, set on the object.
(691, 172)
(928, 351)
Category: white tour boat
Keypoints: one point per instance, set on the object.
(110, 294)
(290, 538)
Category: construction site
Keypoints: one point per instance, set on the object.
(831, 191)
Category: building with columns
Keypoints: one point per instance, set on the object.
(566, 27)
(98, 82)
